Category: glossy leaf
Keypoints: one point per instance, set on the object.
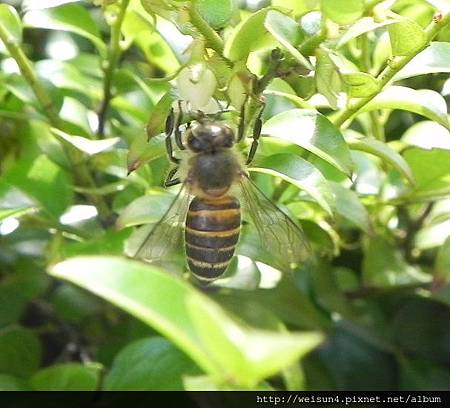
(343, 11)
(44, 181)
(144, 210)
(350, 207)
(407, 37)
(301, 174)
(287, 32)
(67, 377)
(314, 132)
(85, 145)
(427, 135)
(360, 84)
(69, 17)
(186, 318)
(384, 152)
(250, 35)
(362, 26)
(435, 58)
(152, 364)
(327, 78)
(43, 4)
(423, 102)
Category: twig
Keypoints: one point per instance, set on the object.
(111, 62)
(213, 39)
(391, 69)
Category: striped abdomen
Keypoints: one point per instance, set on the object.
(212, 232)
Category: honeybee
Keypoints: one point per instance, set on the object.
(207, 209)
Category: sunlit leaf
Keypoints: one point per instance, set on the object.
(85, 145)
(186, 318)
(407, 37)
(362, 26)
(14, 212)
(435, 58)
(314, 132)
(383, 151)
(427, 135)
(300, 173)
(423, 102)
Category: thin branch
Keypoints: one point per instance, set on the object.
(391, 70)
(213, 40)
(111, 63)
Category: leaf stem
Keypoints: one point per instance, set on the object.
(389, 72)
(82, 174)
(109, 69)
(213, 39)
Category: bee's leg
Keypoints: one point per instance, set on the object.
(168, 130)
(241, 126)
(178, 122)
(256, 134)
(170, 181)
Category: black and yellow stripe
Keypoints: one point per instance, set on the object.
(212, 232)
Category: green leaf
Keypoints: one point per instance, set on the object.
(67, 377)
(14, 212)
(360, 84)
(144, 210)
(190, 320)
(435, 58)
(44, 181)
(362, 26)
(314, 132)
(300, 173)
(152, 364)
(85, 145)
(343, 11)
(328, 80)
(423, 102)
(350, 207)
(427, 135)
(10, 383)
(384, 152)
(20, 352)
(407, 37)
(428, 174)
(11, 24)
(288, 33)
(69, 17)
(217, 13)
(250, 35)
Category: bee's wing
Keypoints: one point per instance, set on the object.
(163, 242)
(279, 235)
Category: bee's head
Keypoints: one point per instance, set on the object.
(209, 136)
